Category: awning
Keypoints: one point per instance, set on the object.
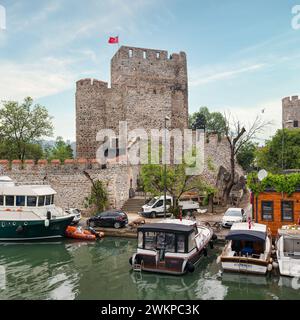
(246, 235)
(166, 227)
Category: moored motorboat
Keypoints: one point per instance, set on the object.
(288, 250)
(82, 234)
(28, 212)
(173, 246)
(248, 249)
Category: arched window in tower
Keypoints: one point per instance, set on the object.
(144, 54)
(157, 55)
(130, 53)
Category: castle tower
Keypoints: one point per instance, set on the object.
(146, 86)
(90, 115)
(154, 86)
(291, 112)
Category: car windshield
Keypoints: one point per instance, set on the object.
(233, 214)
(152, 201)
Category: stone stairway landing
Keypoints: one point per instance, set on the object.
(133, 205)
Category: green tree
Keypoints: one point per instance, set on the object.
(177, 181)
(246, 155)
(98, 199)
(61, 150)
(238, 136)
(212, 122)
(281, 152)
(23, 124)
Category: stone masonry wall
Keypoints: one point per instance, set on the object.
(146, 86)
(291, 112)
(217, 155)
(69, 181)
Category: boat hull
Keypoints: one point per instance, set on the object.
(244, 267)
(33, 230)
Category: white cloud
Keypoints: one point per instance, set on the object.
(45, 77)
(215, 73)
(269, 111)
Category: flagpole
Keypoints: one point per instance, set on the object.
(118, 43)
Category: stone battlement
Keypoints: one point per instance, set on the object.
(88, 82)
(290, 99)
(53, 165)
(144, 54)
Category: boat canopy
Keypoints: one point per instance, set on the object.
(166, 227)
(27, 190)
(246, 235)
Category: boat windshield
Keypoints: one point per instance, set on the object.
(163, 241)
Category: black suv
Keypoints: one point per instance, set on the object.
(116, 219)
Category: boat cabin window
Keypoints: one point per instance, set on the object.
(140, 240)
(150, 239)
(180, 243)
(9, 201)
(41, 201)
(166, 241)
(267, 210)
(291, 247)
(287, 210)
(1, 200)
(162, 241)
(247, 248)
(31, 201)
(48, 200)
(192, 242)
(20, 201)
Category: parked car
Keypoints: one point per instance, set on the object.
(114, 219)
(155, 207)
(233, 215)
(77, 214)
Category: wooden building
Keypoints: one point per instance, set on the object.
(276, 209)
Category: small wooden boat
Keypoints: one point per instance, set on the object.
(81, 234)
(172, 246)
(248, 249)
(288, 250)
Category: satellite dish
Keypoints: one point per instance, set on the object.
(262, 174)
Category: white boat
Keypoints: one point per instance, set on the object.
(288, 250)
(28, 212)
(172, 246)
(248, 249)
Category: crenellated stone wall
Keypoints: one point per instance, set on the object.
(69, 181)
(146, 86)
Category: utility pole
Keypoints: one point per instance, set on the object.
(165, 169)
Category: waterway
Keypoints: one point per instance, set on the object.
(79, 270)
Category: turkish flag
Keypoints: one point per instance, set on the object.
(113, 40)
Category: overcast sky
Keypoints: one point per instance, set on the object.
(243, 56)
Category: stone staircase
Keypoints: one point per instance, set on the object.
(133, 205)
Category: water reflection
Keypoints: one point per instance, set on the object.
(100, 270)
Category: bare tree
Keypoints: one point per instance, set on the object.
(237, 136)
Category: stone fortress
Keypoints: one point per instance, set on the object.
(291, 112)
(146, 86)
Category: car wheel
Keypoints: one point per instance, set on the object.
(117, 225)
(153, 215)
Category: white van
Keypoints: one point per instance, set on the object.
(155, 207)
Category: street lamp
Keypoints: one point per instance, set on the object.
(165, 169)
